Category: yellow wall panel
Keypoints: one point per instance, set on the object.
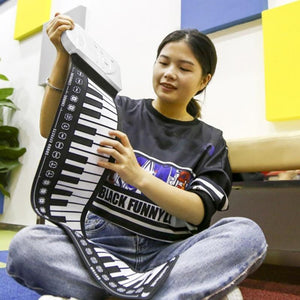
(31, 15)
(281, 34)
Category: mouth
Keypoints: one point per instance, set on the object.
(168, 86)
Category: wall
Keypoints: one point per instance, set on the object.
(130, 31)
(235, 101)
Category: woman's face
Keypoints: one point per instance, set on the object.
(177, 74)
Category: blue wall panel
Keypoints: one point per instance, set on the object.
(213, 15)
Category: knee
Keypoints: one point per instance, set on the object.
(22, 248)
(245, 235)
(251, 232)
(249, 238)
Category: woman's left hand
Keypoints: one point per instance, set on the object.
(120, 149)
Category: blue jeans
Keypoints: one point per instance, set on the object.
(210, 263)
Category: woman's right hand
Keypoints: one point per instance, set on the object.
(56, 27)
(59, 73)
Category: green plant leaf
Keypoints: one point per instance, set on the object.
(6, 165)
(9, 136)
(11, 152)
(8, 103)
(3, 77)
(5, 92)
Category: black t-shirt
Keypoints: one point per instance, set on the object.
(190, 155)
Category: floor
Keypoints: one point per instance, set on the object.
(5, 238)
(274, 274)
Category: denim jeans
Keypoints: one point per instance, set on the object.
(210, 263)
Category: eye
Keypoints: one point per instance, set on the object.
(185, 70)
(162, 63)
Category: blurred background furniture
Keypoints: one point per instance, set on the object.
(273, 204)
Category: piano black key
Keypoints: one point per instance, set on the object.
(59, 202)
(76, 188)
(93, 102)
(94, 92)
(82, 185)
(73, 168)
(62, 192)
(91, 113)
(77, 157)
(86, 129)
(90, 177)
(60, 219)
(107, 259)
(113, 269)
(70, 179)
(87, 136)
(82, 140)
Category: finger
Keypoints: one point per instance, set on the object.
(59, 18)
(59, 23)
(121, 136)
(115, 144)
(107, 165)
(59, 26)
(110, 152)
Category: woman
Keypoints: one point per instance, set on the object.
(164, 157)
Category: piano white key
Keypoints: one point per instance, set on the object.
(72, 198)
(123, 272)
(103, 254)
(80, 185)
(91, 167)
(85, 150)
(91, 106)
(134, 278)
(109, 123)
(111, 264)
(154, 272)
(108, 113)
(69, 207)
(71, 215)
(109, 105)
(84, 176)
(59, 197)
(86, 123)
(79, 193)
(88, 118)
(96, 139)
(87, 167)
(107, 98)
(74, 162)
(95, 122)
(82, 194)
(94, 97)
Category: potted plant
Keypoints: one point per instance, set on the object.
(9, 141)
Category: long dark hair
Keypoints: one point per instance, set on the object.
(204, 51)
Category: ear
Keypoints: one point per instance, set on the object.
(204, 81)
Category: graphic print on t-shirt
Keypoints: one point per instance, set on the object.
(126, 206)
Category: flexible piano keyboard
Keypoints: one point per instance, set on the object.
(68, 177)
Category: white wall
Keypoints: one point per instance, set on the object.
(130, 30)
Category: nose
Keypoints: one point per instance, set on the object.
(170, 73)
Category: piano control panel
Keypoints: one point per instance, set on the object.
(78, 41)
